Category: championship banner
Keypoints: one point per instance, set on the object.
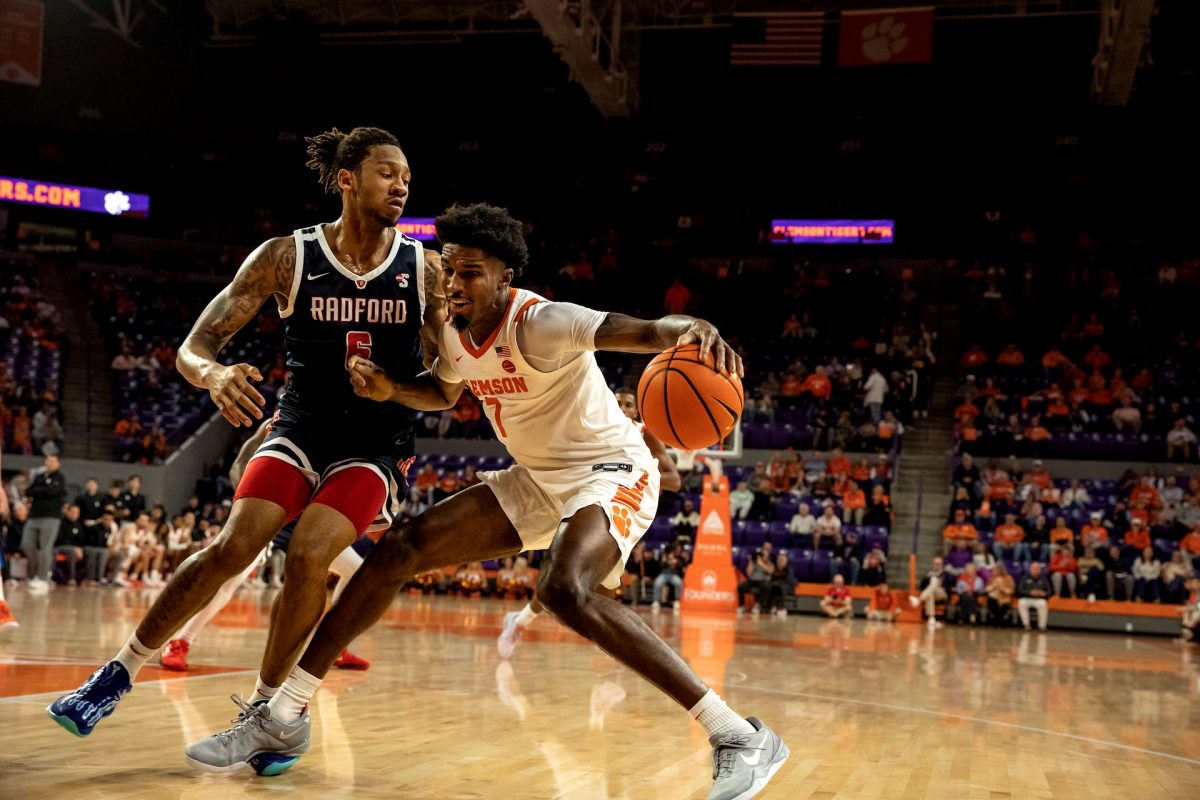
(21, 26)
(886, 36)
(711, 582)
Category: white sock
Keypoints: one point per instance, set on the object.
(262, 691)
(134, 655)
(526, 616)
(1, 588)
(292, 698)
(717, 717)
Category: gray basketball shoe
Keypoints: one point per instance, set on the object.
(256, 739)
(742, 764)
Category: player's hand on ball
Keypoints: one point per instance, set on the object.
(235, 397)
(369, 380)
(705, 334)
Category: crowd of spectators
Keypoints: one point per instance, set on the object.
(1115, 382)
(31, 353)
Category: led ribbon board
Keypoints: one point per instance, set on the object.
(833, 231)
(81, 198)
(418, 228)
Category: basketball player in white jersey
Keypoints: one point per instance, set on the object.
(583, 484)
(174, 654)
(515, 622)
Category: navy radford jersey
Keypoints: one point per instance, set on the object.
(333, 314)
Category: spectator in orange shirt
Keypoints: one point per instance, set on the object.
(1064, 568)
(967, 409)
(1058, 409)
(791, 327)
(818, 385)
(1054, 359)
(1094, 534)
(1079, 393)
(960, 528)
(425, 481)
(1190, 546)
(885, 605)
(1036, 432)
(965, 431)
(990, 389)
(854, 504)
(1038, 475)
(1010, 356)
(1137, 538)
(677, 298)
(1061, 536)
(791, 386)
(975, 357)
(839, 465)
(1145, 494)
(861, 471)
(1097, 359)
(447, 485)
(1143, 382)
(1009, 541)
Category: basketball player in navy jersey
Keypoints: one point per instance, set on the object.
(353, 287)
(583, 484)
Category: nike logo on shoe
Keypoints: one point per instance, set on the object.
(757, 758)
(312, 277)
(290, 734)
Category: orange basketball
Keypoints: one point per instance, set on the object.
(686, 402)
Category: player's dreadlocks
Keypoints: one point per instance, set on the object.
(489, 228)
(333, 150)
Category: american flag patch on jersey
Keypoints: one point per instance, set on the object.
(504, 351)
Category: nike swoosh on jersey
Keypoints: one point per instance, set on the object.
(312, 277)
(757, 758)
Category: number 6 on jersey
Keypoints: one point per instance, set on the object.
(358, 343)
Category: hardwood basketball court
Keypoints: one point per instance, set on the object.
(869, 710)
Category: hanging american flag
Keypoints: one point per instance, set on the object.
(777, 40)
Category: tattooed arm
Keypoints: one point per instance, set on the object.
(435, 307)
(267, 271)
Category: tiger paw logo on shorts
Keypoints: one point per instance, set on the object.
(621, 518)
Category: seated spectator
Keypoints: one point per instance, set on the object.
(1137, 538)
(1061, 536)
(1054, 359)
(783, 585)
(1036, 433)
(889, 428)
(1093, 533)
(836, 602)
(983, 559)
(1147, 575)
(965, 432)
(1000, 591)
(1063, 569)
(1145, 494)
(968, 587)
(760, 571)
(1032, 593)
(838, 465)
(469, 579)
(70, 541)
(1037, 539)
(881, 473)
(1117, 565)
(854, 504)
(803, 524)
(1191, 611)
(1190, 546)
(685, 521)
(643, 568)
(885, 606)
(847, 557)
(1010, 357)
(1075, 496)
(1091, 574)
(1127, 418)
(426, 481)
(1179, 441)
(828, 527)
(879, 509)
(874, 571)
(966, 475)
(1175, 575)
(965, 410)
(974, 358)
(933, 591)
(741, 500)
(959, 528)
(447, 485)
(670, 577)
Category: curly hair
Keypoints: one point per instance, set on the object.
(489, 228)
(332, 151)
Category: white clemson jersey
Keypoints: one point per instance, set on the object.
(539, 384)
